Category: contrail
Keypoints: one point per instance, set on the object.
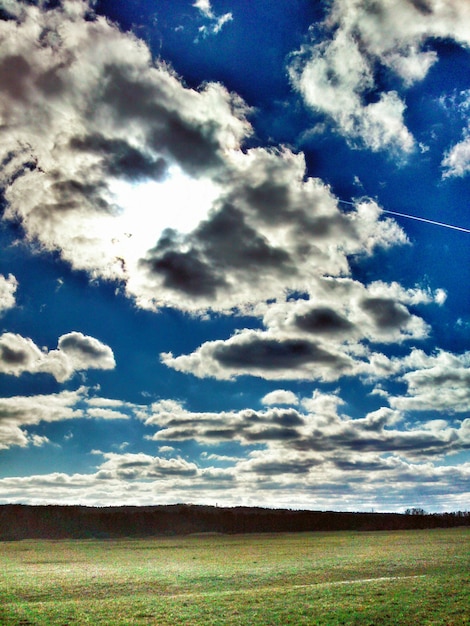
(419, 219)
(423, 219)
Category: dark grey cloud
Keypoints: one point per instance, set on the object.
(73, 195)
(272, 434)
(228, 240)
(322, 320)
(120, 159)
(272, 354)
(193, 144)
(275, 468)
(15, 73)
(423, 6)
(184, 271)
(275, 202)
(222, 245)
(13, 356)
(386, 313)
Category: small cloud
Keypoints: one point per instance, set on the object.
(8, 287)
(280, 396)
(39, 440)
(440, 296)
(107, 414)
(75, 352)
(456, 162)
(166, 449)
(215, 23)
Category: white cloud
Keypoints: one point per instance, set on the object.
(143, 466)
(84, 352)
(359, 482)
(338, 76)
(204, 6)
(439, 382)
(318, 432)
(75, 352)
(266, 355)
(456, 161)
(323, 338)
(107, 414)
(215, 23)
(280, 396)
(75, 147)
(8, 286)
(318, 453)
(19, 412)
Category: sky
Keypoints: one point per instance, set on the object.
(235, 253)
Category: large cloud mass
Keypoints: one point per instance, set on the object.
(315, 450)
(323, 338)
(73, 139)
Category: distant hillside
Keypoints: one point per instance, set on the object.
(19, 521)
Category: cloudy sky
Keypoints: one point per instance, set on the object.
(214, 285)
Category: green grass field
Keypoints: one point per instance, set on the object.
(380, 578)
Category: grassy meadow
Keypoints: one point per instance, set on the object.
(376, 578)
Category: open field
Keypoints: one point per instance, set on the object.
(402, 577)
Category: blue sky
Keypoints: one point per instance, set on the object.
(206, 293)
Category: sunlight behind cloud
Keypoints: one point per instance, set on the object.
(148, 208)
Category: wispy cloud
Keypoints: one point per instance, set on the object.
(215, 23)
(338, 75)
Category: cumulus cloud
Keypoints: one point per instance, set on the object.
(258, 353)
(456, 161)
(438, 382)
(338, 76)
(320, 430)
(322, 338)
(280, 396)
(318, 451)
(361, 482)
(73, 144)
(270, 231)
(143, 466)
(75, 352)
(18, 413)
(8, 286)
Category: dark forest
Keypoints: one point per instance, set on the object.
(19, 521)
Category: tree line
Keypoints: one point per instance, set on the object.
(19, 521)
